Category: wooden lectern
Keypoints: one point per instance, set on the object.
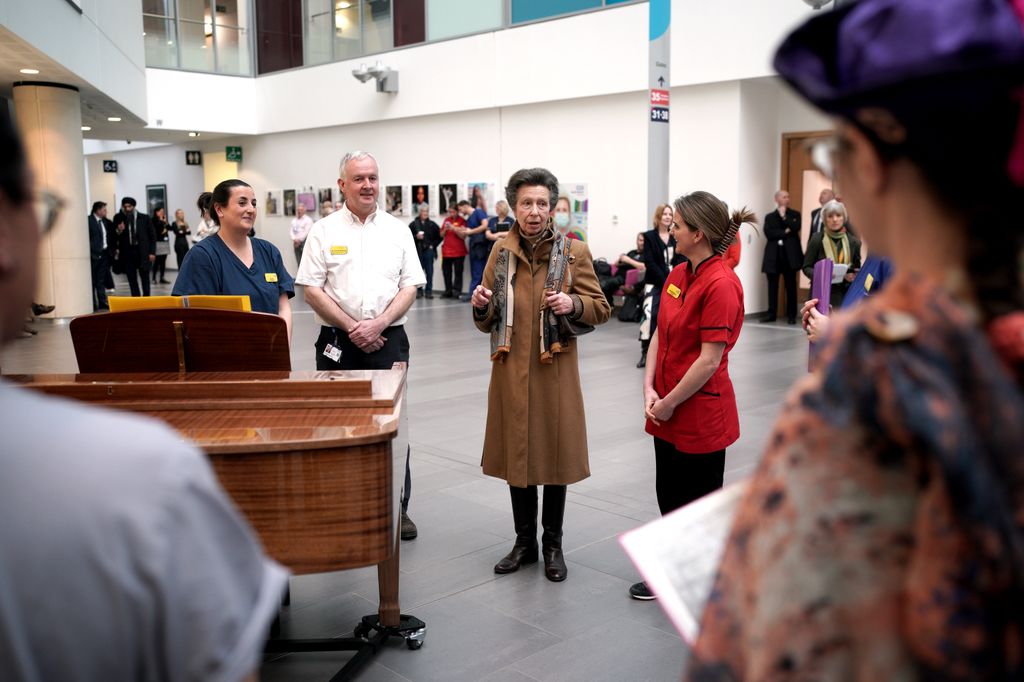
(309, 457)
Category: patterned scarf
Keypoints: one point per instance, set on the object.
(552, 339)
(830, 244)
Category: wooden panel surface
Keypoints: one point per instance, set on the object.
(316, 511)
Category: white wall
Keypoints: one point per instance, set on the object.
(103, 45)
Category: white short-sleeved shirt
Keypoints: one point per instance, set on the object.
(360, 266)
(121, 557)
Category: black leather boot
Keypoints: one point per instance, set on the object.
(551, 539)
(524, 515)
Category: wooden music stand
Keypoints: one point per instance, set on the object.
(180, 340)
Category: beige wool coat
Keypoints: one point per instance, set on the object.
(536, 428)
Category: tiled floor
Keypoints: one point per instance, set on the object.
(518, 627)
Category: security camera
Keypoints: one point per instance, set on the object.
(817, 4)
(362, 74)
(127, 141)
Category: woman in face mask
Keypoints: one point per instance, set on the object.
(561, 217)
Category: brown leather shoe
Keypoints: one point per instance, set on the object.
(519, 556)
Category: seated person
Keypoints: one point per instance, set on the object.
(633, 260)
(231, 262)
(124, 558)
(836, 244)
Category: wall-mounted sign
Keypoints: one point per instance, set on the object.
(109, 166)
(233, 153)
(193, 158)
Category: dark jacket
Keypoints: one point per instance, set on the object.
(816, 252)
(788, 230)
(654, 259)
(96, 238)
(145, 238)
(814, 216)
(431, 234)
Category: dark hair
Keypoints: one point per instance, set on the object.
(967, 175)
(129, 201)
(203, 202)
(97, 205)
(531, 177)
(463, 203)
(13, 175)
(220, 195)
(706, 213)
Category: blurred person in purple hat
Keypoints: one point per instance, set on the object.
(882, 535)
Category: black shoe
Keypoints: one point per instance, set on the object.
(554, 562)
(768, 318)
(41, 309)
(641, 592)
(419, 293)
(409, 530)
(520, 555)
(428, 295)
(791, 320)
(643, 361)
(164, 281)
(551, 539)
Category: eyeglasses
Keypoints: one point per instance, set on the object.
(47, 207)
(825, 154)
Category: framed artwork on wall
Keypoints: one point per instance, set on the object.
(289, 202)
(156, 197)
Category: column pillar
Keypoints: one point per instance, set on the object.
(659, 86)
(49, 118)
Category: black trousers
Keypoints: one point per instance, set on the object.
(683, 477)
(134, 273)
(160, 267)
(451, 268)
(99, 284)
(395, 349)
(789, 279)
(180, 249)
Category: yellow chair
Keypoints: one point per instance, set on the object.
(120, 304)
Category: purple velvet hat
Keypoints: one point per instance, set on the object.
(929, 64)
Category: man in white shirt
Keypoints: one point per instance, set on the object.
(301, 225)
(123, 557)
(360, 275)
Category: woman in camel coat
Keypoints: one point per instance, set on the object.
(536, 428)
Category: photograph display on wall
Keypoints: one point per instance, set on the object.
(273, 204)
(420, 194)
(481, 195)
(307, 199)
(447, 195)
(156, 197)
(393, 200)
(578, 207)
(325, 201)
(289, 202)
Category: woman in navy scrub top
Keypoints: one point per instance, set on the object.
(689, 400)
(233, 264)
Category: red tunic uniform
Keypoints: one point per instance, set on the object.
(453, 245)
(701, 307)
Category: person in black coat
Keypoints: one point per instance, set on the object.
(101, 245)
(428, 236)
(659, 257)
(782, 255)
(136, 245)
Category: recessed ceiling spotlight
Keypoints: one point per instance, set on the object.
(29, 72)
(86, 129)
(193, 133)
(114, 119)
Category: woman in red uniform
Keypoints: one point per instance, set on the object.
(688, 398)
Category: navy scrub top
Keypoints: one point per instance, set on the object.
(211, 269)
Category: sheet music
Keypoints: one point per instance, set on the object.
(838, 272)
(678, 554)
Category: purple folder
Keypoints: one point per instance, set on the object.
(821, 289)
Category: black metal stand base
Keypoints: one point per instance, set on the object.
(366, 641)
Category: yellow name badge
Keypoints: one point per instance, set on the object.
(271, 276)
(868, 282)
(673, 291)
(339, 250)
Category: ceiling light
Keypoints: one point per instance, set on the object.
(29, 72)
(114, 119)
(193, 133)
(86, 129)
(343, 5)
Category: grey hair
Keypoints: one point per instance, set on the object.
(834, 208)
(531, 177)
(352, 156)
(424, 205)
